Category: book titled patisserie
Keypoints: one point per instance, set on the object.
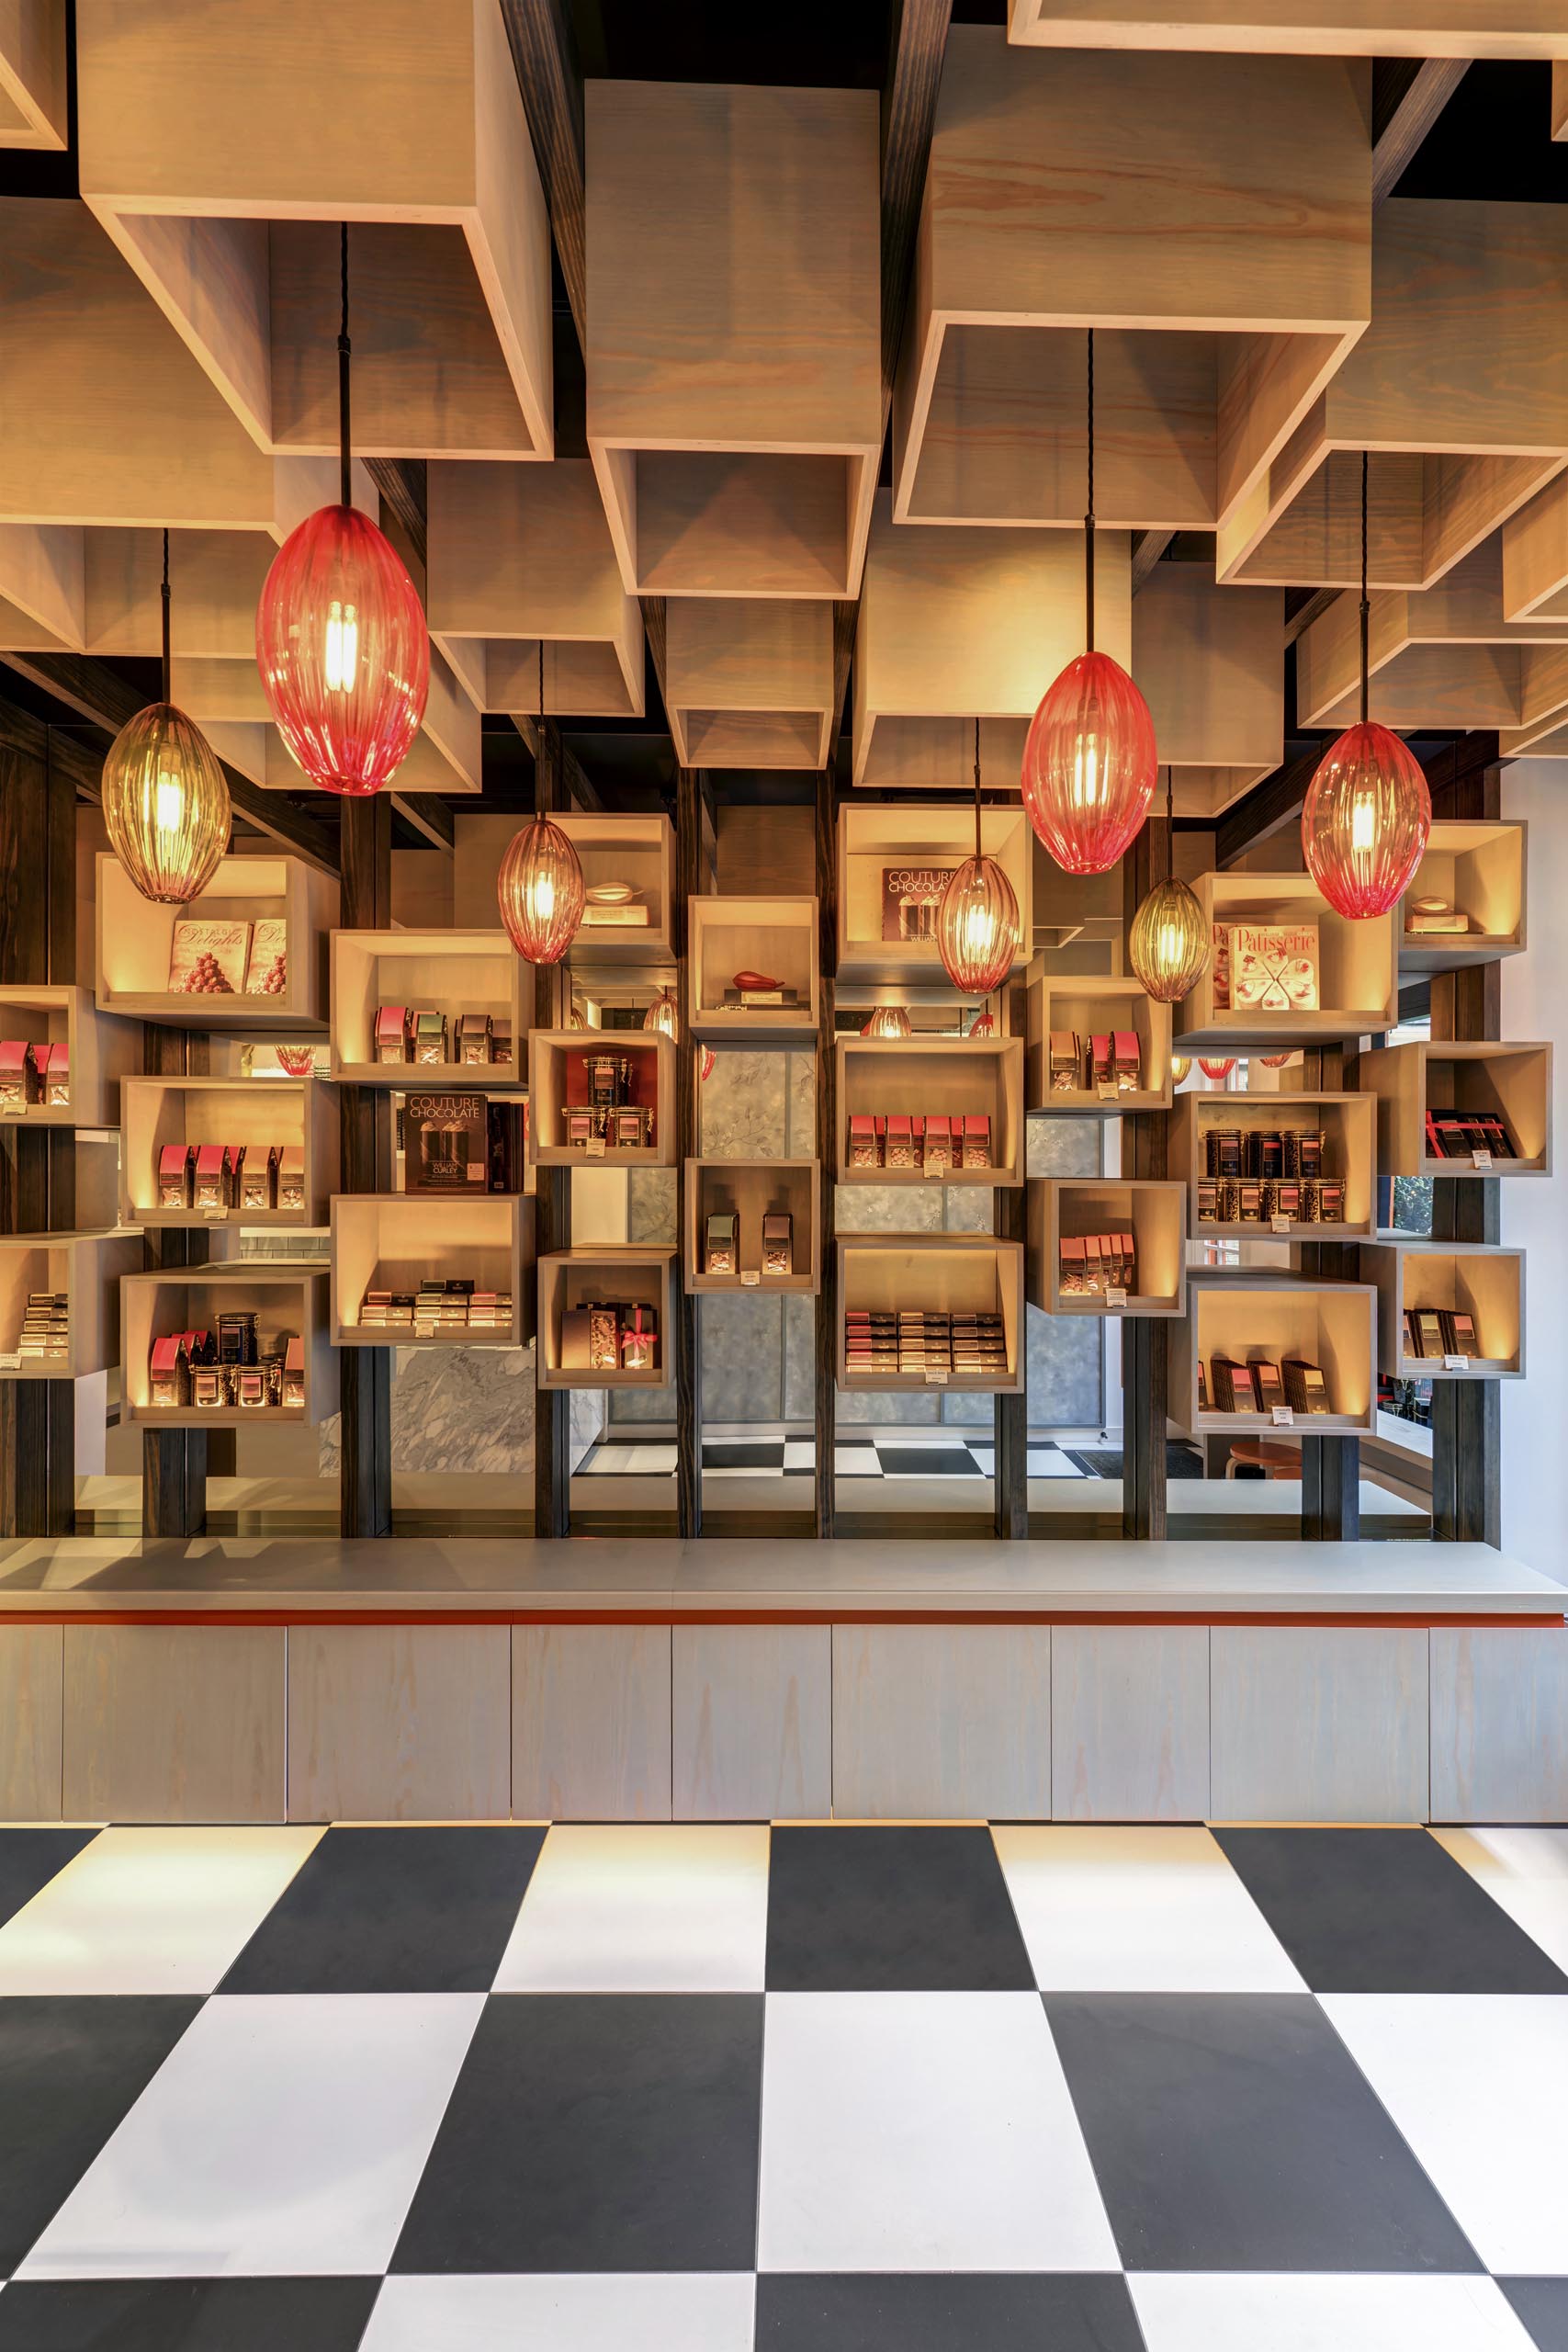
(1273, 967)
(208, 958)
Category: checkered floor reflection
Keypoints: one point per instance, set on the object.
(717, 2089)
(915, 1453)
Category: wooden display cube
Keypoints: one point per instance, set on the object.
(734, 365)
(1326, 27)
(1349, 1125)
(34, 111)
(556, 1078)
(221, 153)
(135, 938)
(615, 853)
(603, 1273)
(1475, 1278)
(749, 681)
(1207, 660)
(775, 939)
(942, 1273)
(520, 555)
(957, 624)
(1092, 1008)
(100, 1051)
(1048, 207)
(1254, 1316)
(451, 972)
(1535, 548)
(1153, 1212)
(880, 842)
(1482, 869)
(1513, 1082)
(395, 1242)
(748, 1189)
(289, 1300)
(158, 1112)
(878, 1076)
(1455, 390)
(1357, 982)
(88, 1268)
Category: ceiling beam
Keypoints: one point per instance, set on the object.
(550, 76)
(1408, 95)
(428, 814)
(402, 482)
(580, 784)
(101, 695)
(1265, 810)
(1147, 552)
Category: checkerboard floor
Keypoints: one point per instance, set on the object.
(913, 1453)
(707, 2089)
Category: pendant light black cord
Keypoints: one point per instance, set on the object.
(345, 470)
(164, 592)
(1169, 828)
(978, 851)
(1089, 517)
(1366, 607)
(539, 747)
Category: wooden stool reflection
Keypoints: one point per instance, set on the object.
(1261, 1453)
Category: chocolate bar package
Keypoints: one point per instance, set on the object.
(176, 1176)
(19, 1084)
(1306, 1391)
(720, 1244)
(258, 1176)
(473, 1037)
(1066, 1062)
(394, 1038)
(862, 1140)
(778, 1242)
(430, 1046)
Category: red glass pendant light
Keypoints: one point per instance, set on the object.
(888, 1021)
(341, 640)
(1089, 760)
(1217, 1070)
(540, 886)
(976, 923)
(1367, 812)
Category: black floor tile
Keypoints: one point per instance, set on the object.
(927, 1462)
(394, 1911)
(604, 2131)
(1542, 2307)
(1236, 2133)
(759, 1455)
(30, 1859)
(187, 2314)
(1384, 1911)
(69, 2071)
(891, 1911)
(1047, 2312)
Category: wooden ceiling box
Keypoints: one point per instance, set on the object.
(1473, 1278)
(1458, 389)
(734, 351)
(34, 111)
(136, 939)
(769, 939)
(957, 624)
(1326, 27)
(1072, 1208)
(1442, 658)
(1208, 662)
(1357, 982)
(751, 1191)
(1509, 1082)
(221, 149)
(1263, 1317)
(749, 681)
(518, 555)
(289, 1301)
(451, 972)
(890, 860)
(160, 1112)
(1210, 217)
(395, 1242)
(88, 1268)
(604, 1274)
(100, 1052)
(1480, 868)
(1535, 556)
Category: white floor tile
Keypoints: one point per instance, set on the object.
(1132, 1910)
(149, 1911)
(627, 1460)
(800, 1454)
(655, 2311)
(1199, 2311)
(1051, 1466)
(856, 1461)
(285, 2134)
(1478, 2084)
(921, 2132)
(1526, 1873)
(654, 1909)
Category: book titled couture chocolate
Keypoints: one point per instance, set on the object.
(911, 897)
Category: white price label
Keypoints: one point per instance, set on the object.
(1280, 1221)
(1115, 1296)
(214, 1216)
(935, 1168)
(936, 1376)
(594, 1147)
(12, 1111)
(1480, 1160)
(1456, 1364)
(750, 1280)
(1108, 1090)
(1284, 1418)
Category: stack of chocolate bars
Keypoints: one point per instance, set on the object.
(1458, 1134)
(918, 1341)
(1260, 1385)
(1098, 1262)
(1434, 1332)
(46, 1328)
(428, 1039)
(1109, 1061)
(225, 1179)
(1252, 1175)
(933, 1143)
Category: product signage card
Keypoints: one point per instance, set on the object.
(208, 958)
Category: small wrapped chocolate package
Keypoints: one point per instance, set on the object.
(1072, 1260)
(900, 1141)
(169, 1373)
(639, 1343)
(473, 1037)
(294, 1372)
(778, 1243)
(19, 1086)
(975, 1144)
(719, 1244)
(1066, 1062)
(176, 1176)
(214, 1179)
(429, 1039)
(290, 1176)
(394, 1039)
(258, 1176)
(56, 1077)
(862, 1139)
(936, 1156)
(1126, 1060)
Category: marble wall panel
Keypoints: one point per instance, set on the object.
(742, 1344)
(454, 1408)
(742, 1106)
(652, 1206)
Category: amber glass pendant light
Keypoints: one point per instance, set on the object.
(888, 1021)
(1367, 812)
(1167, 945)
(976, 922)
(165, 795)
(663, 1015)
(540, 887)
(1180, 1065)
(1089, 760)
(341, 641)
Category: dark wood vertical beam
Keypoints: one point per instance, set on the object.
(174, 1462)
(1146, 1354)
(1009, 1415)
(364, 1466)
(1331, 1466)
(825, 1304)
(552, 1202)
(686, 1338)
(544, 54)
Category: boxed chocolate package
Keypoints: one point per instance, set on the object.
(1102, 1067)
(258, 1176)
(1234, 1391)
(1305, 1390)
(862, 1140)
(473, 1037)
(1126, 1060)
(18, 1075)
(603, 1339)
(429, 1039)
(639, 1339)
(214, 1177)
(169, 1373)
(976, 1140)
(1425, 1331)
(900, 1146)
(936, 1154)
(1273, 967)
(1073, 1264)
(1066, 1062)
(500, 1042)
(778, 1242)
(54, 1075)
(720, 1244)
(1458, 1331)
(267, 972)
(208, 958)
(574, 1333)
(1268, 1385)
(394, 1038)
(176, 1176)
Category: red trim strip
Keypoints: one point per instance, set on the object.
(1555, 1622)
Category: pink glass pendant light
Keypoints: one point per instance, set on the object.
(540, 886)
(1089, 760)
(341, 640)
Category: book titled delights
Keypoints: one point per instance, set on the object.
(208, 958)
